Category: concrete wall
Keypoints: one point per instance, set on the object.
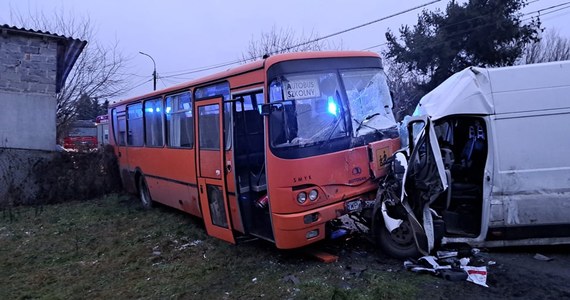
(28, 67)
(27, 121)
(18, 181)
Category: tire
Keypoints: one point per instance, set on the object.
(398, 244)
(144, 194)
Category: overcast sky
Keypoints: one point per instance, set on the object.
(185, 35)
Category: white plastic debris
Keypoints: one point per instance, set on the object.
(539, 256)
(196, 243)
(446, 254)
(477, 275)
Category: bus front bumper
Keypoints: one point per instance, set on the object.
(300, 229)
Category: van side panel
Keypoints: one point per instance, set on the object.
(530, 87)
(532, 161)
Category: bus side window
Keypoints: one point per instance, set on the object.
(179, 120)
(135, 125)
(119, 128)
(153, 115)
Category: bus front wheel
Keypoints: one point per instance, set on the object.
(144, 194)
(399, 243)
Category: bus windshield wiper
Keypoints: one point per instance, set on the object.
(366, 119)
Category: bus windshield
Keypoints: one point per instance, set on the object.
(317, 108)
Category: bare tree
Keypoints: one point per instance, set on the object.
(285, 40)
(552, 47)
(404, 89)
(97, 71)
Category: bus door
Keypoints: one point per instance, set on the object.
(122, 156)
(209, 162)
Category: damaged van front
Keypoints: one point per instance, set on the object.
(487, 163)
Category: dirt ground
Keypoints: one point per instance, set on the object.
(111, 248)
(512, 272)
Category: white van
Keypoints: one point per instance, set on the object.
(488, 161)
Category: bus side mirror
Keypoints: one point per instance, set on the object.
(266, 109)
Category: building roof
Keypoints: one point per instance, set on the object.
(68, 50)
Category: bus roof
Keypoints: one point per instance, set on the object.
(258, 64)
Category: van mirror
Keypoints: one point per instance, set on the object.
(399, 164)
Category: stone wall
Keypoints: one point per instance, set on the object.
(28, 66)
(18, 183)
(29, 177)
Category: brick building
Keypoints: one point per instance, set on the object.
(33, 68)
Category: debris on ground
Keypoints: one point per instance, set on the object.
(539, 256)
(452, 266)
(293, 279)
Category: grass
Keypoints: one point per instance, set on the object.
(111, 248)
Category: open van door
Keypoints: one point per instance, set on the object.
(209, 161)
(424, 180)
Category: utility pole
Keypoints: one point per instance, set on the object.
(154, 70)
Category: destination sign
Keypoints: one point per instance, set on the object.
(301, 89)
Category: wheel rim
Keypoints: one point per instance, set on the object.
(403, 235)
(144, 197)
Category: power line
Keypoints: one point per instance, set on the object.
(162, 81)
(485, 25)
(360, 26)
(206, 68)
(137, 85)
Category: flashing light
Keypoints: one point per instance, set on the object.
(149, 109)
(332, 107)
(158, 109)
(168, 109)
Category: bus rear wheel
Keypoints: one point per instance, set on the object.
(144, 194)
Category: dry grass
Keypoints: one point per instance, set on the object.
(111, 248)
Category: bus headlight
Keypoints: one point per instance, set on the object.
(313, 195)
(302, 197)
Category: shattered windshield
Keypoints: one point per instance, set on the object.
(369, 100)
(308, 109)
(316, 108)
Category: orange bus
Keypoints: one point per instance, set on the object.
(278, 148)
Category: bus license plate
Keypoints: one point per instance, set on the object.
(352, 206)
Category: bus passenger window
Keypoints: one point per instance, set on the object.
(135, 125)
(122, 131)
(119, 127)
(247, 104)
(179, 121)
(153, 113)
(209, 129)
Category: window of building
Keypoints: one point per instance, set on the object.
(153, 115)
(179, 120)
(135, 136)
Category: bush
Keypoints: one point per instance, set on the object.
(77, 176)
